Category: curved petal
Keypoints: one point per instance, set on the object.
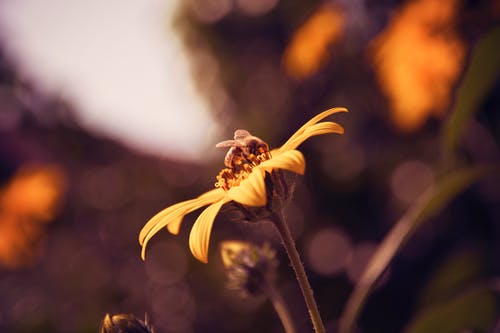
(311, 122)
(200, 233)
(251, 191)
(209, 197)
(326, 127)
(291, 160)
(174, 215)
(162, 217)
(182, 208)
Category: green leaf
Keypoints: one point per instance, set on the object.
(474, 309)
(458, 271)
(450, 185)
(430, 203)
(483, 71)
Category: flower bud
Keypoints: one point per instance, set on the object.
(250, 269)
(124, 323)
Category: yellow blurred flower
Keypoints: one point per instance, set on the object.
(27, 202)
(250, 269)
(243, 183)
(309, 47)
(418, 59)
(230, 249)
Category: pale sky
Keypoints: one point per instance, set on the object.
(121, 64)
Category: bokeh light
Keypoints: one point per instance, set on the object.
(410, 179)
(310, 45)
(27, 203)
(418, 59)
(329, 251)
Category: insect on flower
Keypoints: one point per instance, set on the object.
(243, 145)
(242, 180)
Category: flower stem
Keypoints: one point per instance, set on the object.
(280, 308)
(300, 273)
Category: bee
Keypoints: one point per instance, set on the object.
(242, 147)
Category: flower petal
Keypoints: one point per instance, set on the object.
(174, 215)
(251, 191)
(200, 233)
(163, 217)
(181, 208)
(326, 127)
(291, 160)
(208, 197)
(288, 145)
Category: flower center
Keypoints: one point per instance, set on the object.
(241, 160)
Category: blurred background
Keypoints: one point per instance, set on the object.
(110, 111)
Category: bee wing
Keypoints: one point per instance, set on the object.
(241, 134)
(230, 143)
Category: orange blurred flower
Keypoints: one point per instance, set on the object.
(418, 59)
(309, 48)
(27, 202)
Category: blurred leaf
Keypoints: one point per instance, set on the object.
(458, 271)
(479, 79)
(447, 188)
(474, 309)
(430, 203)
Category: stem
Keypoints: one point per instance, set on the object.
(300, 274)
(280, 308)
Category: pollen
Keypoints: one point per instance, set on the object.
(241, 167)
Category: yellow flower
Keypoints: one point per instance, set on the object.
(242, 181)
